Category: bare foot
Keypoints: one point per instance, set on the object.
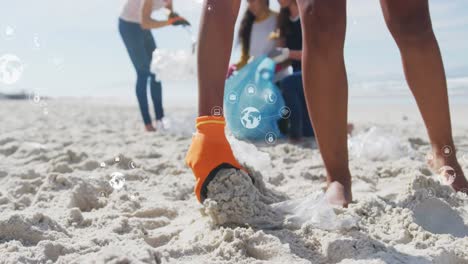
(149, 128)
(339, 195)
(446, 165)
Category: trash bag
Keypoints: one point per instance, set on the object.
(253, 104)
(313, 210)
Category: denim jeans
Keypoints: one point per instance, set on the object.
(140, 45)
(293, 93)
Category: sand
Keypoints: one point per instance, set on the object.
(63, 198)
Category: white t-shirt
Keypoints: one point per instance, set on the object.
(131, 11)
(260, 42)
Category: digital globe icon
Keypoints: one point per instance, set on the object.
(252, 101)
(250, 117)
(11, 69)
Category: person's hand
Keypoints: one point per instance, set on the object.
(231, 70)
(176, 20)
(279, 55)
(209, 153)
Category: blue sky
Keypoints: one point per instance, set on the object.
(81, 53)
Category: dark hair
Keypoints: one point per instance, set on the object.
(245, 29)
(284, 24)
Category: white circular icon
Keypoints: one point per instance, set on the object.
(37, 43)
(270, 138)
(270, 97)
(464, 193)
(429, 156)
(447, 150)
(266, 75)
(250, 117)
(232, 97)
(446, 175)
(217, 111)
(250, 89)
(117, 180)
(430, 193)
(9, 32)
(11, 69)
(131, 165)
(285, 112)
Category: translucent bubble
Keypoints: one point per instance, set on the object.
(250, 117)
(36, 42)
(179, 65)
(102, 164)
(447, 150)
(270, 138)
(251, 89)
(217, 111)
(131, 165)
(232, 98)
(446, 175)
(464, 193)
(266, 75)
(117, 159)
(430, 193)
(117, 180)
(270, 97)
(57, 62)
(37, 98)
(285, 112)
(429, 156)
(11, 69)
(8, 32)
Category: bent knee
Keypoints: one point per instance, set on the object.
(410, 28)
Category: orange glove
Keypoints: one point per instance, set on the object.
(210, 152)
(176, 20)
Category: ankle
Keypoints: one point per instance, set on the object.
(444, 150)
(342, 176)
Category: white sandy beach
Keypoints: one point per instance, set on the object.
(57, 205)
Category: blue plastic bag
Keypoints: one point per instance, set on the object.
(253, 104)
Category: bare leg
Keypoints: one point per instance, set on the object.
(326, 89)
(214, 50)
(410, 25)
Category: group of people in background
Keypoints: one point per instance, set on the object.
(262, 32)
(265, 32)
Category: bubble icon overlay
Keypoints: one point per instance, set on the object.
(117, 180)
(252, 102)
(11, 69)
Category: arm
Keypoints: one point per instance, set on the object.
(293, 54)
(281, 43)
(170, 5)
(146, 21)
